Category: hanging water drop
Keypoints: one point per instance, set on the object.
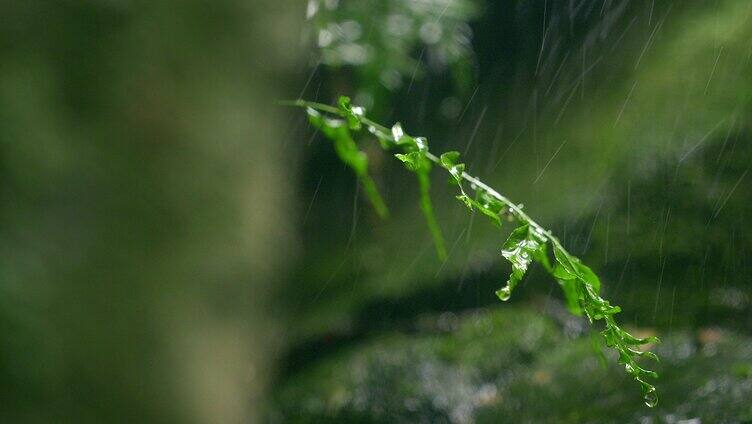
(504, 293)
(651, 398)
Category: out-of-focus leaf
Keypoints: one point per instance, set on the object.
(426, 207)
(415, 160)
(338, 131)
(378, 42)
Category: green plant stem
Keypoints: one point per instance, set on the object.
(475, 182)
(525, 244)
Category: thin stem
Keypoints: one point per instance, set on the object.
(433, 158)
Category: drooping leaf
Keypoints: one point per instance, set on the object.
(348, 152)
(589, 277)
(450, 161)
(566, 261)
(570, 272)
(426, 207)
(561, 273)
(571, 295)
(520, 249)
(487, 205)
(415, 160)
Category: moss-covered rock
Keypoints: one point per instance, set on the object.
(515, 365)
(704, 377)
(431, 377)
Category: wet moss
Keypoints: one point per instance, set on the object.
(516, 365)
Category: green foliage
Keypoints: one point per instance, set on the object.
(526, 244)
(522, 247)
(338, 131)
(386, 42)
(415, 160)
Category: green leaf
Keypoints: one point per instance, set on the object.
(631, 340)
(520, 249)
(570, 272)
(567, 261)
(571, 295)
(466, 200)
(415, 160)
(348, 152)
(561, 273)
(491, 209)
(588, 276)
(567, 280)
(450, 161)
(426, 207)
(541, 256)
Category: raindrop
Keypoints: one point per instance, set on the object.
(397, 131)
(504, 293)
(421, 143)
(651, 398)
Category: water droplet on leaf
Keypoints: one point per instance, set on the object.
(651, 398)
(504, 293)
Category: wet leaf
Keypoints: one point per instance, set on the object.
(413, 161)
(519, 249)
(486, 205)
(450, 161)
(417, 162)
(426, 207)
(571, 295)
(348, 152)
(588, 276)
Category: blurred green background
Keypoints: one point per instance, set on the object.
(177, 247)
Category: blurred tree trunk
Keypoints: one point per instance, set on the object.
(144, 196)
